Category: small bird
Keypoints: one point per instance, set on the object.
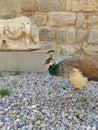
(79, 70)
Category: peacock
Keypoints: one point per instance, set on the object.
(78, 69)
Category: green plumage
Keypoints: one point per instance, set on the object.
(53, 70)
(59, 69)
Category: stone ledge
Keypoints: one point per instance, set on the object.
(23, 60)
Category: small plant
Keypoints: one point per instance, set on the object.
(4, 92)
(7, 88)
(1, 74)
(15, 72)
(37, 118)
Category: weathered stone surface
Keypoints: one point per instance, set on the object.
(58, 21)
(67, 50)
(47, 45)
(80, 20)
(93, 36)
(81, 35)
(91, 50)
(82, 5)
(40, 19)
(45, 34)
(7, 15)
(61, 36)
(50, 5)
(61, 18)
(92, 20)
(28, 5)
(7, 6)
(18, 34)
(70, 35)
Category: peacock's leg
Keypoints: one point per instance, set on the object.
(71, 93)
(85, 93)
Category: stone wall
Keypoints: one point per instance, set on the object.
(68, 26)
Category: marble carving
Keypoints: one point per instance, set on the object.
(18, 34)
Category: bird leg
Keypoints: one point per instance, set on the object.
(85, 93)
(71, 93)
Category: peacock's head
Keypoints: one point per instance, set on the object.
(50, 61)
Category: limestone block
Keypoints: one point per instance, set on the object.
(70, 35)
(81, 35)
(72, 5)
(51, 5)
(80, 20)
(93, 35)
(91, 50)
(67, 50)
(18, 34)
(45, 34)
(7, 15)
(82, 5)
(7, 6)
(61, 18)
(92, 20)
(28, 5)
(47, 45)
(61, 36)
(40, 19)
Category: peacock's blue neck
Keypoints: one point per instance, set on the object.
(53, 69)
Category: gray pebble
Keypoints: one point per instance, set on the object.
(34, 104)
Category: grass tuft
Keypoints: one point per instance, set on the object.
(4, 92)
(38, 118)
(15, 72)
(1, 74)
(7, 88)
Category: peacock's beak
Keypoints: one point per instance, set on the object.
(45, 63)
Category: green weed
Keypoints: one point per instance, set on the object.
(1, 74)
(4, 92)
(38, 118)
(7, 88)
(15, 72)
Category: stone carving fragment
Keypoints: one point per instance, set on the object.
(18, 34)
(91, 49)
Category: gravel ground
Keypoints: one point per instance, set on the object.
(34, 104)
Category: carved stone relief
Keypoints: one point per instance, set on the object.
(18, 34)
(91, 50)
